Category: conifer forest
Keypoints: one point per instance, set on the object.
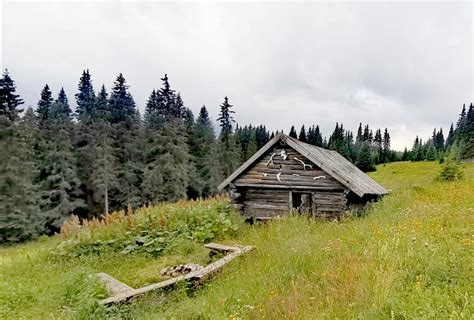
(91, 152)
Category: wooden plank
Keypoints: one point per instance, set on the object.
(195, 275)
(264, 205)
(219, 247)
(113, 284)
(253, 183)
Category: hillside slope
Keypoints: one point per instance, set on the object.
(410, 256)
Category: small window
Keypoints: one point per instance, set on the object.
(302, 202)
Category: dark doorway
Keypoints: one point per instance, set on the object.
(302, 202)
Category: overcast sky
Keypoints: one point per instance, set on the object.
(405, 66)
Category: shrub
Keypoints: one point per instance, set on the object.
(151, 230)
(451, 171)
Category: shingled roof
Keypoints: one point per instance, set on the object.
(328, 160)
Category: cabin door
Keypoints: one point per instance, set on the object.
(301, 201)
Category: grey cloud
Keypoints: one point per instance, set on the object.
(407, 66)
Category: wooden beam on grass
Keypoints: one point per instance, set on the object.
(202, 274)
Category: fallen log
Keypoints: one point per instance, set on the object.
(122, 292)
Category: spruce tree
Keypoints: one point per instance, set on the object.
(228, 150)
(467, 136)
(293, 133)
(166, 178)
(302, 136)
(85, 98)
(101, 109)
(366, 134)
(364, 160)
(431, 151)
(405, 155)
(9, 101)
(44, 104)
(378, 145)
(205, 153)
(262, 136)
(438, 140)
(59, 183)
(125, 122)
(121, 103)
(103, 173)
(386, 146)
(167, 106)
(450, 138)
(20, 217)
(336, 141)
(360, 136)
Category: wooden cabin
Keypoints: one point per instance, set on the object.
(288, 174)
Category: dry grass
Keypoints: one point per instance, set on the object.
(410, 257)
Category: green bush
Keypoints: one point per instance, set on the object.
(451, 171)
(153, 230)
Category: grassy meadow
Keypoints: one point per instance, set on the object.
(409, 256)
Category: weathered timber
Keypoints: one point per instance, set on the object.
(112, 284)
(260, 205)
(202, 274)
(322, 181)
(253, 183)
(220, 247)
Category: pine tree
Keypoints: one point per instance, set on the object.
(417, 150)
(431, 151)
(9, 101)
(336, 141)
(101, 108)
(167, 106)
(364, 160)
(293, 133)
(350, 151)
(125, 122)
(121, 103)
(360, 136)
(461, 121)
(227, 145)
(166, 178)
(154, 117)
(318, 141)
(262, 136)
(252, 147)
(378, 145)
(20, 216)
(450, 138)
(59, 183)
(103, 172)
(302, 136)
(366, 134)
(386, 146)
(467, 135)
(205, 154)
(85, 98)
(44, 104)
(438, 139)
(405, 155)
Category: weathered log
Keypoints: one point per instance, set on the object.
(127, 294)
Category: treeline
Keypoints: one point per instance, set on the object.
(105, 156)
(458, 145)
(365, 150)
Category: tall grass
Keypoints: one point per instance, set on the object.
(410, 256)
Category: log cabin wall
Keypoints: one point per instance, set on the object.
(275, 172)
(265, 188)
(259, 202)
